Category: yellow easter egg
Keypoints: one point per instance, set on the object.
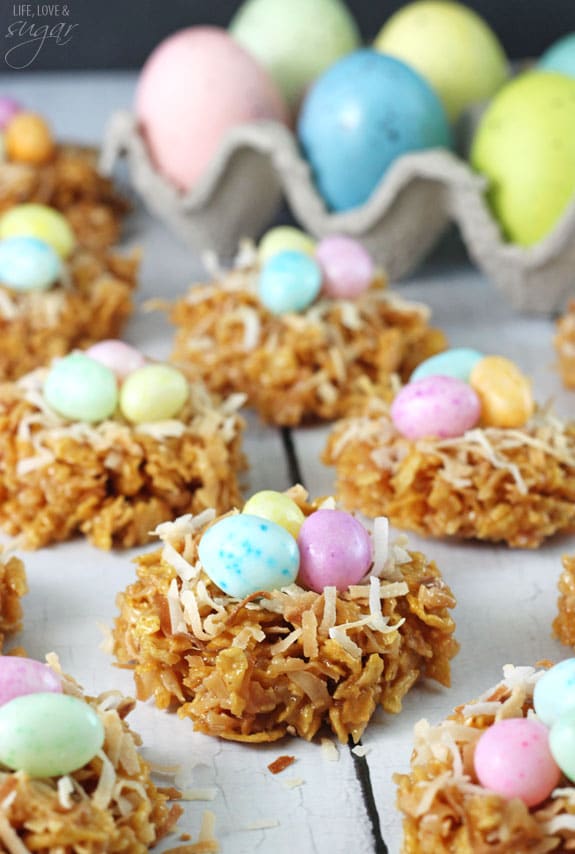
(276, 507)
(284, 238)
(504, 392)
(42, 222)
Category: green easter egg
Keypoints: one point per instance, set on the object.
(42, 222)
(81, 389)
(153, 393)
(562, 743)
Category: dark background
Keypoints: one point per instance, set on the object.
(121, 33)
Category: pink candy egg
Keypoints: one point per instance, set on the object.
(346, 266)
(513, 758)
(435, 406)
(335, 550)
(8, 109)
(118, 356)
(19, 676)
(195, 86)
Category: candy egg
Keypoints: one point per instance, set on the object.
(47, 735)
(513, 758)
(435, 406)
(21, 676)
(153, 393)
(8, 109)
(554, 693)
(335, 548)
(28, 139)
(457, 362)
(562, 743)
(277, 507)
(289, 281)
(81, 389)
(243, 554)
(560, 56)
(118, 356)
(504, 392)
(346, 266)
(42, 222)
(28, 264)
(284, 238)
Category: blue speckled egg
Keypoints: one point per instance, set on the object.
(458, 363)
(290, 281)
(243, 554)
(554, 694)
(560, 56)
(360, 116)
(28, 264)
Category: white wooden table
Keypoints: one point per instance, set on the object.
(507, 599)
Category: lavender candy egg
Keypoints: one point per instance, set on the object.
(20, 676)
(118, 356)
(439, 406)
(335, 550)
(347, 267)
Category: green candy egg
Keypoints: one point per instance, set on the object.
(153, 393)
(81, 389)
(562, 743)
(47, 735)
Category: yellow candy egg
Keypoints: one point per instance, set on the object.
(28, 139)
(42, 222)
(282, 239)
(504, 392)
(276, 507)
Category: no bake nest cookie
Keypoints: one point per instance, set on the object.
(565, 345)
(12, 587)
(283, 662)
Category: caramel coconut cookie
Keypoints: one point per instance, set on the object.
(565, 345)
(498, 775)
(454, 457)
(564, 623)
(253, 633)
(302, 333)
(12, 587)
(104, 444)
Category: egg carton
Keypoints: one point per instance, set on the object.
(258, 164)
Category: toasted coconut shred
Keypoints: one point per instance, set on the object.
(564, 623)
(447, 811)
(565, 345)
(284, 662)
(515, 485)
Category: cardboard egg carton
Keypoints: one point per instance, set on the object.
(258, 164)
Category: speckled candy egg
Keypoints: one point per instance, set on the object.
(347, 267)
(513, 758)
(457, 362)
(554, 693)
(47, 735)
(360, 116)
(8, 109)
(42, 222)
(438, 406)
(289, 282)
(118, 356)
(284, 238)
(153, 393)
(277, 507)
(28, 264)
(560, 56)
(81, 389)
(195, 86)
(243, 554)
(336, 550)
(505, 393)
(20, 676)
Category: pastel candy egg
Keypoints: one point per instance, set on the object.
(20, 676)
(435, 406)
(29, 139)
(153, 393)
(41, 221)
(554, 693)
(289, 281)
(457, 362)
(8, 109)
(282, 239)
(47, 735)
(28, 264)
(513, 758)
(81, 389)
(278, 507)
(504, 392)
(560, 56)
(346, 266)
(118, 356)
(562, 743)
(243, 554)
(336, 550)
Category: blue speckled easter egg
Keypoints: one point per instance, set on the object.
(360, 116)
(81, 389)
(243, 554)
(560, 56)
(290, 281)
(28, 264)
(457, 363)
(554, 694)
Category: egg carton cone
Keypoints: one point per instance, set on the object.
(259, 163)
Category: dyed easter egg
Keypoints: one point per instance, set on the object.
(295, 41)
(335, 548)
(42, 222)
(81, 389)
(554, 693)
(28, 139)
(290, 281)
(562, 743)
(243, 554)
(513, 758)
(560, 56)
(195, 87)
(457, 362)
(360, 116)
(153, 393)
(277, 507)
(118, 356)
(8, 109)
(504, 392)
(47, 735)
(347, 267)
(284, 238)
(28, 264)
(20, 676)
(438, 406)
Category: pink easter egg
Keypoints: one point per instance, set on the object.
(438, 406)
(335, 550)
(8, 109)
(513, 758)
(195, 87)
(118, 356)
(20, 676)
(347, 267)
